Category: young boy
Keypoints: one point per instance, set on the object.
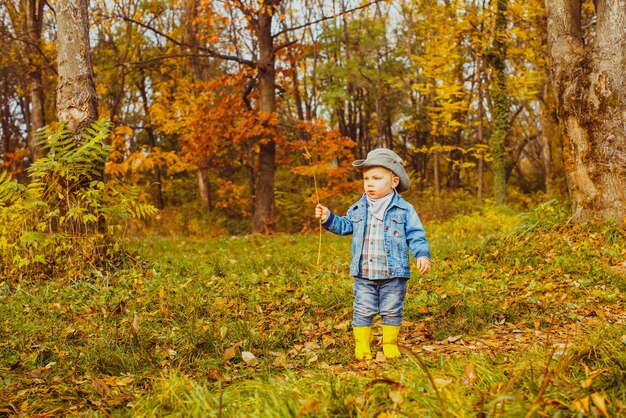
(384, 227)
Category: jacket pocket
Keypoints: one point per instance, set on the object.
(400, 248)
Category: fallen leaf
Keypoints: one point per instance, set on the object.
(68, 331)
(442, 382)
(469, 375)
(230, 352)
(581, 405)
(280, 361)
(214, 374)
(327, 341)
(135, 324)
(342, 325)
(249, 358)
(599, 401)
(101, 386)
(396, 395)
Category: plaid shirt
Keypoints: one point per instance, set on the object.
(373, 263)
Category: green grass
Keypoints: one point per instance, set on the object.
(521, 314)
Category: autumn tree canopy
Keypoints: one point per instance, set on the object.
(214, 102)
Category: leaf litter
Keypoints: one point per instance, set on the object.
(543, 309)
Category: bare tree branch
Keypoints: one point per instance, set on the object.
(209, 51)
(325, 18)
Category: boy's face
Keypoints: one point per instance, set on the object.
(379, 182)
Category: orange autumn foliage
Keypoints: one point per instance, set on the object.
(331, 159)
(13, 162)
(222, 130)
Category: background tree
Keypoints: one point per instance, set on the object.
(589, 80)
(497, 60)
(27, 17)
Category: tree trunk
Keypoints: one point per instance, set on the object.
(554, 169)
(77, 104)
(481, 136)
(264, 200)
(436, 172)
(204, 186)
(27, 20)
(500, 103)
(590, 86)
(152, 138)
(200, 74)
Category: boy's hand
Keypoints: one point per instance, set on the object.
(321, 212)
(423, 265)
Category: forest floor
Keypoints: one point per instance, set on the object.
(522, 315)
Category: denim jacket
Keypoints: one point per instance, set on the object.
(403, 231)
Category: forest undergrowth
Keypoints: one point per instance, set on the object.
(522, 315)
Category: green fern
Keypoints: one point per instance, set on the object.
(56, 217)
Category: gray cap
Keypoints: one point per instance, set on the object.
(383, 157)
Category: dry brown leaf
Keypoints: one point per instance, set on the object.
(101, 386)
(469, 375)
(230, 352)
(135, 324)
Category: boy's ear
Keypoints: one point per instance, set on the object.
(395, 180)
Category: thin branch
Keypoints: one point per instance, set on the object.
(163, 57)
(285, 44)
(210, 51)
(325, 18)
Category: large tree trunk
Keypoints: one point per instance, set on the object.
(590, 85)
(77, 104)
(500, 103)
(264, 188)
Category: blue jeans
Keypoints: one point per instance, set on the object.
(384, 297)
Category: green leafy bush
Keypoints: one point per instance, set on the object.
(65, 219)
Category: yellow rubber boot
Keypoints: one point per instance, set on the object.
(390, 341)
(362, 336)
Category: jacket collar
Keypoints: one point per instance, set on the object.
(397, 200)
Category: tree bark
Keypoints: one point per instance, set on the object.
(204, 187)
(500, 103)
(554, 168)
(77, 104)
(264, 197)
(590, 87)
(481, 135)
